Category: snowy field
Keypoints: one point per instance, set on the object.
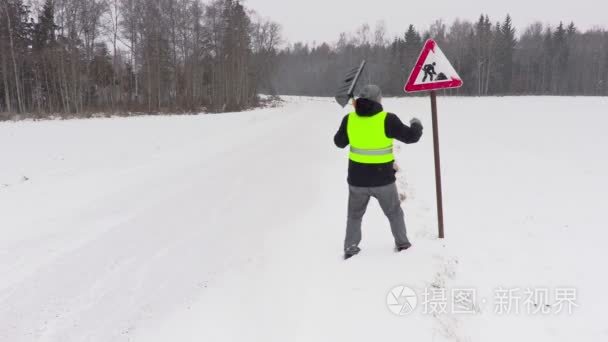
(230, 227)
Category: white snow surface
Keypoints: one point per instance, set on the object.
(230, 227)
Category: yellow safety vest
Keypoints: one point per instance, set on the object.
(368, 141)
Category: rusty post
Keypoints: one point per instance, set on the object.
(437, 164)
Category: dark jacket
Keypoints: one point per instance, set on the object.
(372, 175)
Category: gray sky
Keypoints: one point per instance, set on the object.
(323, 20)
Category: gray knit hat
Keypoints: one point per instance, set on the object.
(371, 92)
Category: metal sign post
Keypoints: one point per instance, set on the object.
(437, 163)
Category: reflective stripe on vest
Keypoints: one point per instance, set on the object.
(368, 140)
(372, 152)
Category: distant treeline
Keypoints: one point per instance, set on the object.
(76, 57)
(492, 58)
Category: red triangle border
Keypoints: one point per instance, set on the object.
(410, 86)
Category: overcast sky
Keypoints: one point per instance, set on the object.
(323, 20)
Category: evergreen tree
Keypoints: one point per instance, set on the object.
(44, 29)
(411, 48)
(506, 51)
(560, 59)
(413, 40)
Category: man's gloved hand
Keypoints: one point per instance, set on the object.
(415, 121)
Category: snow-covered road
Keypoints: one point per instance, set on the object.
(230, 227)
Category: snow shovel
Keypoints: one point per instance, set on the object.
(347, 87)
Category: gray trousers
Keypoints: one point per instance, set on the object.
(388, 198)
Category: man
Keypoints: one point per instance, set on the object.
(370, 131)
(429, 70)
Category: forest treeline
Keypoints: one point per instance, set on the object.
(491, 57)
(86, 56)
(79, 57)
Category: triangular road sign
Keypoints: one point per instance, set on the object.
(432, 71)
